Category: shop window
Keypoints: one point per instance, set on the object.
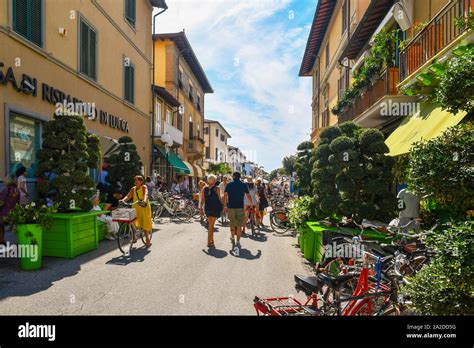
(129, 81)
(24, 141)
(88, 48)
(130, 12)
(28, 19)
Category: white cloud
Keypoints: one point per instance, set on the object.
(262, 102)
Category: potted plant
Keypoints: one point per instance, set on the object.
(29, 222)
(67, 154)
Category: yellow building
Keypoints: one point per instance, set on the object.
(333, 24)
(96, 52)
(180, 73)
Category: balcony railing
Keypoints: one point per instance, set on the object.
(195, 145)
(175, 134)
(386, 85)
(439, 33)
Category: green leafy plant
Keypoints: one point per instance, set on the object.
(382, 56)
(302, 211)
(67, 154)
(456, 86)
(304, 165)
(124, 165)
(446, 285)
(352, 174)
(442, 168)
(33, 213)
(220, 168)
(463, 23)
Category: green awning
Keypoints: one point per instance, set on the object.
(178, 166)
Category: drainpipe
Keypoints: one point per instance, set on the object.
(153, 99)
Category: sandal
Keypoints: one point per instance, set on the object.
(148, 246)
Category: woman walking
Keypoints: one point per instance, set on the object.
(141, 203)
(9, 198)
(248, 204)
(263, 200)
(21, 177)
(213, 207)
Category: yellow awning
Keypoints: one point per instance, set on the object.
(426, 124)
(190, 167)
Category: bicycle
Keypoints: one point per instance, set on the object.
(176, 207)
(279, 220)
(252, 221)
(128, 233)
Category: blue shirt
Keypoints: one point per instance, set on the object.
(236, 191)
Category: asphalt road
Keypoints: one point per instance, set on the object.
(177, 276)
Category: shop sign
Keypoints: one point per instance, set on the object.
(60, 99)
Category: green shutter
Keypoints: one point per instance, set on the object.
(88, 47)
(27, 19)
(130, 11)
(84, 48)
(130, 83)
(92, 54)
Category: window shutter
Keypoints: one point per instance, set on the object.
(35, 34)
(20, 14)
(92, 54)
(84, 48)
(129, 83)
(132, 84)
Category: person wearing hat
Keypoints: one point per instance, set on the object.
(249, 203)
(234, 194)
(112, 226)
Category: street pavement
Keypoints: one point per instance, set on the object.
(177, 276)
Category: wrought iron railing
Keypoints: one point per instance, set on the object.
(439, 33)
(385, 85)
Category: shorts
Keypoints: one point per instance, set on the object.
(236, 217)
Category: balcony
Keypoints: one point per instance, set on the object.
(174, 133)
(367, 109)
(194, 147)
(437, 36)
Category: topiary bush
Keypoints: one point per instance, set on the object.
(304, 164)
(442, 169)
(352, 174)
(446, 285)
(124, 165)
(67, 154)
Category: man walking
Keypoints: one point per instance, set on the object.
(234, 195)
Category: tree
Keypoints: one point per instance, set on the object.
(289, 164)
(441, 168)
(67, 154)
(276, 173)
(304, 165)
(220, 168)
(352, 174)
(124, 165)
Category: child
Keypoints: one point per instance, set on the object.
(112, 227)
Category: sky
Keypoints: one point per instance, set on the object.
(251, 52)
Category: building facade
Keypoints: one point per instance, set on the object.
(215, 139)
(236, 159)
(180, 73)
(97, 53)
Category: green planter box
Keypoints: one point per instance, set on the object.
(301, 235)
(309, 244)
(72, 234)
(317, 231)
(29, 239)
(102, 230)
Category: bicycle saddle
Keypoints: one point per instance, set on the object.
(336, 281)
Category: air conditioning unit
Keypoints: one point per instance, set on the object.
(403, 12)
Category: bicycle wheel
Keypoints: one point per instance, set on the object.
(185, 214)
(157, 211)
(279, 222)
(143, 238)
(125, 238)
(252, 224)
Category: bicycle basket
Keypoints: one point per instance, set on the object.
(124, 214)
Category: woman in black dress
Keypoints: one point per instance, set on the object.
(262, 201)
(213, 207)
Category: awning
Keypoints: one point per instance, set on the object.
(191, 168)
(178, 165)
(200, 172)
(426, 124)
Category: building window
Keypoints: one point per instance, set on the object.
(191, 93)
(129, 81)
(223, 137)
(88, 48)
(327, 55)
(199, 102)
(208, 152)
(28, 20)
(199, 131)
(130, 12)
(158, 119)
(217, 132)
(168, 116)
(180, 121)
(191, 128)
(24, 141)
(217, 154)
(206, 130)
(345, 16)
